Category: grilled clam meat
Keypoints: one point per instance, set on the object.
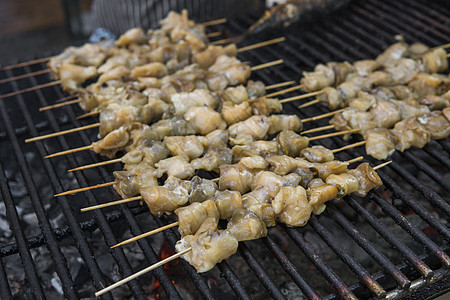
(363, 102)
(386, 114)
(410, 108)
(317, 154)
(425, 84)
(234, 113)
(153, 69)
(417, 49)
(436, 124)
(236, 95)
(435, 60)
(292, 179)
(436, 102)
(204, 119)
(291, 143)
(209, 246)
(133, 178)
(227, 202)
(73, 76)
(255, 89)
(365, 67)
(258, 202)
(191, 146)
(234, 71)
(213, 159)
(182, 102)
(282, 164)
(318, 195)
(410, 133)
(352, 118)
(162, 200)
(254, 163)
(266, 106)
(134, 35)
(392, 54)
(350, 88)
(245, 132)
(202, 189)
(404, 70)
(306, 176)
(446, 113)
(175, 126)
(265, 147)
(333, 97)
(315, 182)
(322, 77)
(177, 166)
(324, 170)
(191, 217)
(270, 181)
(217, 138)
(346, 183)
(207, 57)
(368, 178)
(246, 225)
(380, 143)
(235, 177)
(284, 122)
(151, 153)
(291, 206)
(115, 115)
(112, 143)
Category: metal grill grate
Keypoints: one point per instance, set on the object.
(405, 240)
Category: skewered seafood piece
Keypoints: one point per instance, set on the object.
(191, 217)
(245, 225)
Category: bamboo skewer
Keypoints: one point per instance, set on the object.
(103, 163)
(214, 34)
(309, 103)
(33, 88)
(382, 165)
(152, 232)
(69, 151)
(359, 158)
(148, 269)
(262, 44)
(28, 63)
(323, 115)
(214, 22)
(299, 97)
(122, 201)
(66, 98)
(294, 88)
(333, 134)
(87, 188)
(70, 102)
(266, 65)
(349, 146)
(278, 85)
(317, 129)
(89, 114)
(42, 137)
(220, 42)
(45, 71)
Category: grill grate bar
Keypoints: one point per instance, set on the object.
(14, 223)
(233, 280)
(363, 274)
(364, 243)
(431, 147)
(408, 227)
(391, 238)
(290, 268)
(52, 244)
(5, 292)
(262, 275)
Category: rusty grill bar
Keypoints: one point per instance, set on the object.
(417, 182)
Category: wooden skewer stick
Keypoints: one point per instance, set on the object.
(70, 102)
(66, 98)
(87, 188)
(215, 22)
(301, 97)
(220, 42)
(33, 88)
(277, 85)
(89, 114)
(309, 103)
(42, 137)
(266, 65)
(349, 146)
(323, 116)
(148, 269)
(214, 34)
(333, 134)
(45, 71)
(28, 63)
(317, 129)
(438, 47)
(111, 203)
(297, 87)
(382, 165)
(103, 163)
(448, 55)
(146, 234)
(359, 158)
(215, 179)
(262, 44)
(69, 151)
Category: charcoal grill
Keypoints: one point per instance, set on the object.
(392, 244)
